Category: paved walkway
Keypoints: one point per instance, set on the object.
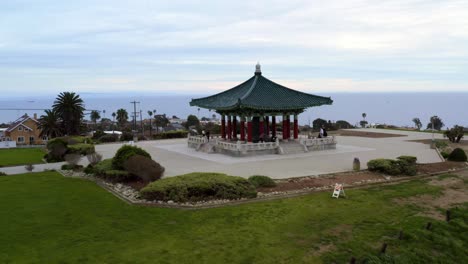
(178, 159)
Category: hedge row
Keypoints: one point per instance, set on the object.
(199, 186)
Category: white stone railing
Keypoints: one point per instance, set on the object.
(196, 140)
(317, 141)
(244, 147)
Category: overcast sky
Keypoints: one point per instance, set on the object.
(204, 46)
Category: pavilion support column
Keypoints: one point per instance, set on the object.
(267, 126)
(249, 129)
(223, 127)
(229, 127)
(242, 128)
(288, 127)
(285, 133)
(273, 126)
(261, 127)
(234, 127)
(296, 127)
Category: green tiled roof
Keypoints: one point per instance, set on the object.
(259, 93)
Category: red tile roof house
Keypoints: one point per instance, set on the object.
(24, 131)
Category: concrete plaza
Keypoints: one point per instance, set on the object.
(178, 159)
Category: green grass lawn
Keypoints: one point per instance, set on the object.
(21, 156)
(46, 218)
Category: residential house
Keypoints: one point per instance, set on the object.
(24, 131)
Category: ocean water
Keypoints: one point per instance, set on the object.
(383, 108)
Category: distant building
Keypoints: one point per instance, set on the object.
(24, 131)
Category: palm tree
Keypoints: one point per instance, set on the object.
(150, 113)
(113, 121)
(122, 117)
(69, 107)
(94, 117)
(50, 125)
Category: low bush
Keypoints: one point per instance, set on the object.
(457, 154)
(261, 181)
(144, 168)
(89, 169)
(109, 138)
(124, 153)
(103, 166)
(116, 176)
(444, 154)
(81, 148)
(440, 144)
(3, 174)
(404, 165)
(409, 159)
(171, 134)
(199, 187)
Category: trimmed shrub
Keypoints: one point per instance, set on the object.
(457, 154)
(124, 153)
(261, 181)
(126, 136)
(199, 187)
(404, 165)
(440, 144)
(3, 174)
(73, 158)
(409, 159)
(144, 168)
(81, 148)
(89, 169)
(109, 138)
(444, 154)
(117, 176)
(103, 166)
(57, 148)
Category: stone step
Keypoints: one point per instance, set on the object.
(292, 148)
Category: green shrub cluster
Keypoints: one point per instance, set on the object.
(104, 170)
(198, 187)
(124, 153)
(171, 134)
(261, 181)
(103, 166)
(457, 154)
(403, 165)
(81, 148)
(59, 147)
(3, 174)
(144, 168)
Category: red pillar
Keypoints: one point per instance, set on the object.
(267, 126)
(242, 129)
(288, 127)
(249, 130)
(261, 127)
(296, 128)
(229, 127)
(234, 127)
(285, 135)
(273, 126)
(223, 127)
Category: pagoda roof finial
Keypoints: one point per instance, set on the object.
(258, 70)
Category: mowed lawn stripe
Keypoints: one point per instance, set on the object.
(51, 219)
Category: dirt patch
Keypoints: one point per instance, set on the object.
(427, 168)
(347, 178)
(323, 249)
(352, 133)
(455, 192)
